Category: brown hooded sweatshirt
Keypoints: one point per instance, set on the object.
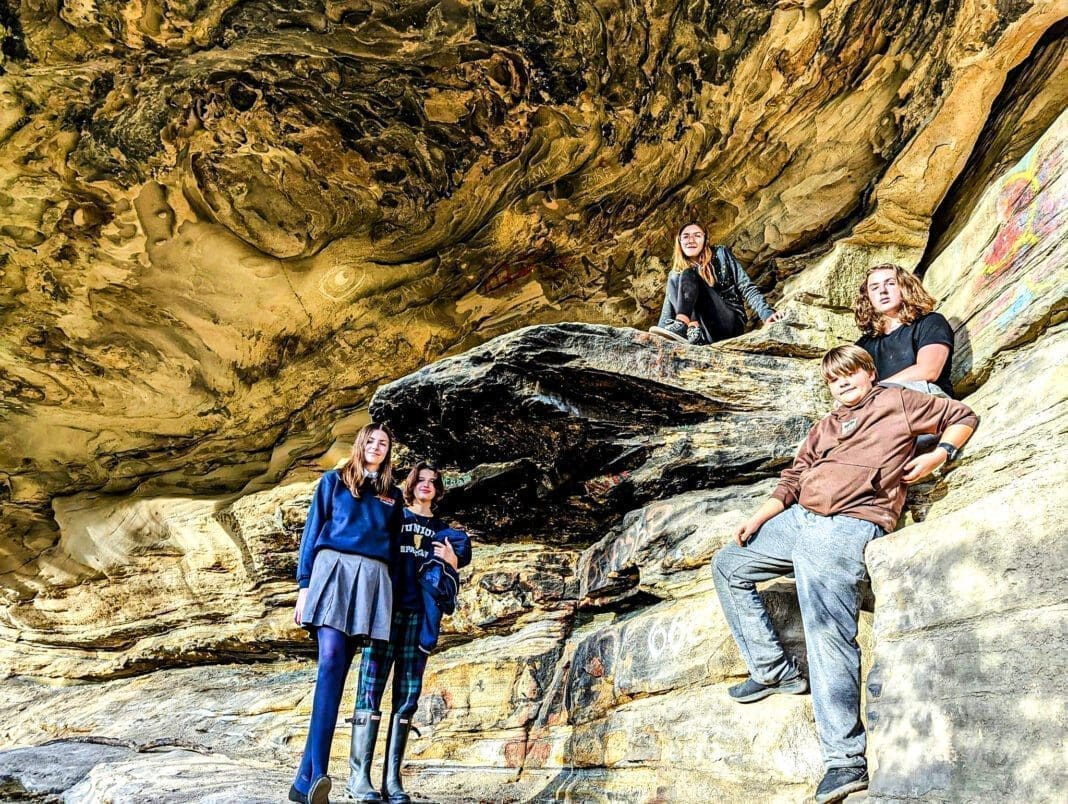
(853, 459)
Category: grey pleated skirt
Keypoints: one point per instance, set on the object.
(350, 593)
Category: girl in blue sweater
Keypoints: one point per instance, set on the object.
(345, 597)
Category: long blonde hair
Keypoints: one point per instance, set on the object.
(915, 300)
(353, 473)
(703, 262)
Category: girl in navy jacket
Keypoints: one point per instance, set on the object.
(425, 540)
(345, 597)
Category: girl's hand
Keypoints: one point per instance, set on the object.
(298, 610)
(778, 315)
(444, 551)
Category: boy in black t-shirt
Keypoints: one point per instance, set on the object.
(911, 345)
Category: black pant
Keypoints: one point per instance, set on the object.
(689, 295)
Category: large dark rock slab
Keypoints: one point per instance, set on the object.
(556, 430)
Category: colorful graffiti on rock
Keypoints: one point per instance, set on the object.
(1026, 258)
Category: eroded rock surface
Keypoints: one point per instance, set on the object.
(226, 224)
(972, 597)
(556, 430)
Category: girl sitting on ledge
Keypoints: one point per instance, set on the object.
(703, 302)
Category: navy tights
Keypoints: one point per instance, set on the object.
(336, 651)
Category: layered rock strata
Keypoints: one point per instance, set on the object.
(226, 226)
(555, 431)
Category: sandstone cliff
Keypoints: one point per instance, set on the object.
(227, 225)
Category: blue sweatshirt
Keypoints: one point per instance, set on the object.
(367, 526)
(418, 534)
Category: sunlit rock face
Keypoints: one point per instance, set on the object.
(225, 227)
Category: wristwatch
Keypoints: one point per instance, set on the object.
(951, 451)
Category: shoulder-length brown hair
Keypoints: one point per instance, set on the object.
(413, 478)
(703, 261)
(353, 473)
(915, 300)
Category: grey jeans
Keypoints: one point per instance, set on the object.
(922, 386)
(826, 553)
(688, 295)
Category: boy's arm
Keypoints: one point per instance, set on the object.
(928, 414)
(785, 494)
(769, 508)
(789, 488)
(919, 467)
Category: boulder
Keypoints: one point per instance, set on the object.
(580, 423)
(46, 772)
(80, 774)
(665, 549)
(152, 582)
(971, 615)
(508, 586)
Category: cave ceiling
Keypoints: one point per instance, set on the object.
(224, 224)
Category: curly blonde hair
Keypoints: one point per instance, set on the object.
(703, 263)
(915, 300)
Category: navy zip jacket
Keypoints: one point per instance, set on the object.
(439, 582)
(423, 582)
(367, 526)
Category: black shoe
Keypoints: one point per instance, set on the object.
(676, 330)
(840, 782)
(752, 690)
(318, 793)
(694, 336)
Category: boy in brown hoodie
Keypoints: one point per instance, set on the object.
(845, 488)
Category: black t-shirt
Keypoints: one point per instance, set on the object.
(898, 350)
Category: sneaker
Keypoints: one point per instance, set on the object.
(694, 336)
(676, 330)
(752, 690)
(840, 782)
